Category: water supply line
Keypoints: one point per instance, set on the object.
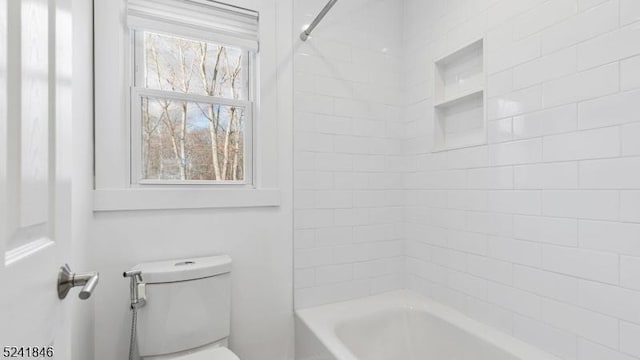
(138, 300)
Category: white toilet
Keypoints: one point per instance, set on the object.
(187, 311)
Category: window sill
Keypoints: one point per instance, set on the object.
(166, 199)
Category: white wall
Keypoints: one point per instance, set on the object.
(538, 232)
(259, 240)
(348, 127)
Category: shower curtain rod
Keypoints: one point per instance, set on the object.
(305, 34)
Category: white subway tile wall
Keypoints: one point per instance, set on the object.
(349, 161)
(537, 232)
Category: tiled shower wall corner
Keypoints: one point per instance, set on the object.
(349, 165)
(538, 232)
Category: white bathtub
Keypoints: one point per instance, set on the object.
(401, 325)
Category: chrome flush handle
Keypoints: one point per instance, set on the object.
(68, 279)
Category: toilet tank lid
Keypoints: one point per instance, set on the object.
(184, 269)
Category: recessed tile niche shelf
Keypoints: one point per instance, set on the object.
(459, 99)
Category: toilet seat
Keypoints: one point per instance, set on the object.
(216, 353)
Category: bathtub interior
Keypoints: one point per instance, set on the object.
(406, 334)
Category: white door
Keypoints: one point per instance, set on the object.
(35, 138)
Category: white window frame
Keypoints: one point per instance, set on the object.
(113, 64)
(135, 123)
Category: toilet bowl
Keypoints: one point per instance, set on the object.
(187, 313)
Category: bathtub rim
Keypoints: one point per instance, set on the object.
(323, 321)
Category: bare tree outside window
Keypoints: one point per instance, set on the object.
(193, 140)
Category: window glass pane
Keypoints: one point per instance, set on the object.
(194, 67)
(192, 141)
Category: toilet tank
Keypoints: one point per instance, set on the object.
(188, 304)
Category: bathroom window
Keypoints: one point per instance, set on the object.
(192, 97)
(189, 95)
